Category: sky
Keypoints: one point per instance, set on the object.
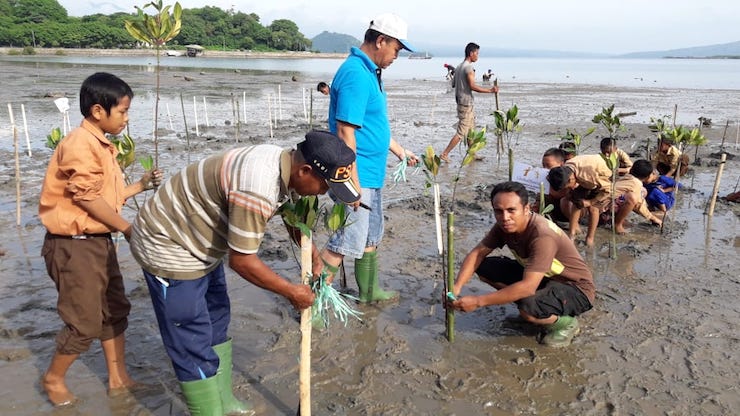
(613, 27)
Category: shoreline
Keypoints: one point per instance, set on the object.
(149, 52)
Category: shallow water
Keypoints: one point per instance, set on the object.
(662, 338)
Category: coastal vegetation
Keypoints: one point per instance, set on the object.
(45, 23)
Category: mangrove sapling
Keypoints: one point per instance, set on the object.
(507, 126)
(432, 163)
(576, 138)
(156, 30)
(612, 123)
(476, 141)
(303, 216)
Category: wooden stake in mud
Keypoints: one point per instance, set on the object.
(499, 137)
(25, 129)
(304, 374)
(438, 229)
(724, 133)
(169, 116)
(17, 167)
(450, 315)
(185, 122)
(713, 199)
(269, 113)
(195, 112)
(205, 111)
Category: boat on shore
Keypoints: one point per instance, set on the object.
(420, 55)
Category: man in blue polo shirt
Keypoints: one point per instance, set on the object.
(358, 115)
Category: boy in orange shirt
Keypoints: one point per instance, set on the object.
(80, 206)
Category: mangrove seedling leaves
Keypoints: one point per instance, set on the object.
(147, 162)
(336, 219)
(53, 138)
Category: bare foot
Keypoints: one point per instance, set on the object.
(589, 242)
(57, 391)
(122, 383)
(619, 229)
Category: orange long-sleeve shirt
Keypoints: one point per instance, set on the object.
(82, 168)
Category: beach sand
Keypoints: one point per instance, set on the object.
(662, 337)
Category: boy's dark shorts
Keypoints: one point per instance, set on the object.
(551, 297)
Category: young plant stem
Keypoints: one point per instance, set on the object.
(511, 163)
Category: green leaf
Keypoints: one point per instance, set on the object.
(147, 162)
(336, 218)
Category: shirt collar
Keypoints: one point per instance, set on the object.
(369, 64)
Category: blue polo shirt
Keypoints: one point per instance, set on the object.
(357, 98)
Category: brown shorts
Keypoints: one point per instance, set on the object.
(92, 300)
(597, 197)
(466, 120)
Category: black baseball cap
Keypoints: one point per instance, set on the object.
(332, 159)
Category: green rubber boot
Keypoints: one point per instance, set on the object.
(366, 274)
(230, 404)
(202, 397)
(561, 332)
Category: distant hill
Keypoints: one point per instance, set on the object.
(340, 43)
(333, 42)
(724, 50)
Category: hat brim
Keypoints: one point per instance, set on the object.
(344, 191)
(406, 45)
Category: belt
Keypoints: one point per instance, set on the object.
(79, 236)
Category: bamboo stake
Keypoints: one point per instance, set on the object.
(185, 121)
(269, 113)
(724, 133)
(440, 243)
(25, 129)
(238, 122)
(499, 137)
(169, 116)
(675, 111)
(450, 315)
(310, 121)
(17, 168)
(737, 134)
(195, 111)
(303, 101)
(205, 111)
(304, 378)
(715, 191)
(244, 102)
(280, 100)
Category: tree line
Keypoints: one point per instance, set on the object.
(45, 23)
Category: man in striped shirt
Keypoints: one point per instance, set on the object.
(213, 208)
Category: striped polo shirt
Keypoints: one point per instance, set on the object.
(221, 202)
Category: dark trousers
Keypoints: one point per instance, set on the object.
(551, 298)
(193, 315)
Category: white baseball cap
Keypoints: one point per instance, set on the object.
(393, 26)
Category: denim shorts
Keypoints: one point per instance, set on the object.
(365, 227)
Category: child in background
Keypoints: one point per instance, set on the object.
(660, 196)
(80, 205)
